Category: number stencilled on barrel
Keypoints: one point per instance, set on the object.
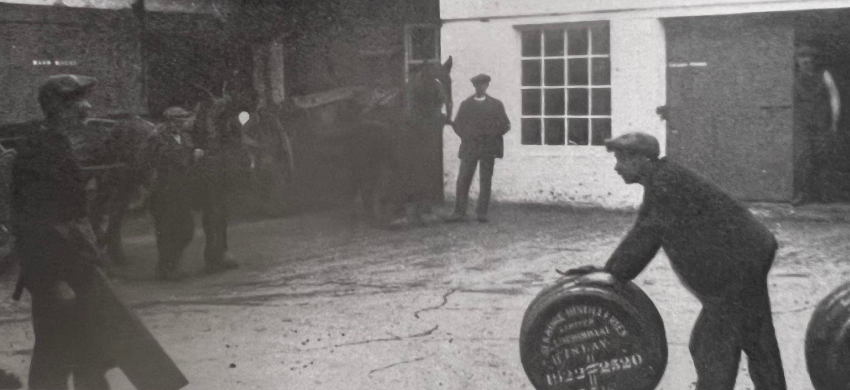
(606, 367)
(588, 347)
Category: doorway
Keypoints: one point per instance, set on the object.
(732, 103)
(827, 33)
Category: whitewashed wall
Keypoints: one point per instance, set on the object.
(465, 9)
(576, 175)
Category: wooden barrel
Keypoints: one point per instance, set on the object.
(593, 332)
(828, 342)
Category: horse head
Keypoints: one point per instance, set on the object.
(431, 87)
(213, 114)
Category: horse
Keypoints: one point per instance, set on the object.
(398, 167)
(110, 159)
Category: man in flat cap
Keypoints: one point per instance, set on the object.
(80, 326)
(170, 158)
(720, 252)
(219, 136)
(480, 123)
(817, 110)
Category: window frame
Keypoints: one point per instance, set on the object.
(541, 116)
(409, 62)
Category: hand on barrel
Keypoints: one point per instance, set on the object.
(583, 270)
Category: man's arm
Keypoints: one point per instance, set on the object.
(146, 156)
(461, 122)
(834, 99)
(503, 124)
(638, 248)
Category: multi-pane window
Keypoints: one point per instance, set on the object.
(422, 45)
(566, 85)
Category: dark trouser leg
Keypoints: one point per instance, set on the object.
(89, 378)
(760, 343)
(818, 177)
(43, 376)
(53, 325)
(716, 349)
(464, 180)
(214, 218)
(117, 210)
(485, 175)
(174, 231)
(163, 245)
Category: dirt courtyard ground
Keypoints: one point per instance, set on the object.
(327, 301)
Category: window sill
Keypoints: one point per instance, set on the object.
(556, 151)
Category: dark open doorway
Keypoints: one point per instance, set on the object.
(827, 34)
(734, 107)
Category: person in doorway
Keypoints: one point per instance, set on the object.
(817, 108)
(169, 158)
(719, 250)
(480, 123)
(81, 327)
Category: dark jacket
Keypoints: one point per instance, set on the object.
(480, 126)
(48, 207)
(48, 184)
(172, 161)
(715, 245)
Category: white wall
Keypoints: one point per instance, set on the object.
(576, 175)
(465, 9)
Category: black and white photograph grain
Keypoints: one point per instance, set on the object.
(424, 194)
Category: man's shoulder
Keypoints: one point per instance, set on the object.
(489, 100)
(674, 178)
(494, 100)
(39, 137)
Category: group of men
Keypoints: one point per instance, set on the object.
(721, 252)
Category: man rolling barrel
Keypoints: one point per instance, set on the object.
(719, 251)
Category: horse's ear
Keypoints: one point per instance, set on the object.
(447, 66)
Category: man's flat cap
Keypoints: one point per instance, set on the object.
(66, 85)
(641, 143)
(176, 112)
(480, 79)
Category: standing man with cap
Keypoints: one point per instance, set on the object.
(720, 252)
(817, 110)
(480, 123)
(169, 158)
(80, 326)
(216, 132)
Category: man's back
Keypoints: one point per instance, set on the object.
(714, 243)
